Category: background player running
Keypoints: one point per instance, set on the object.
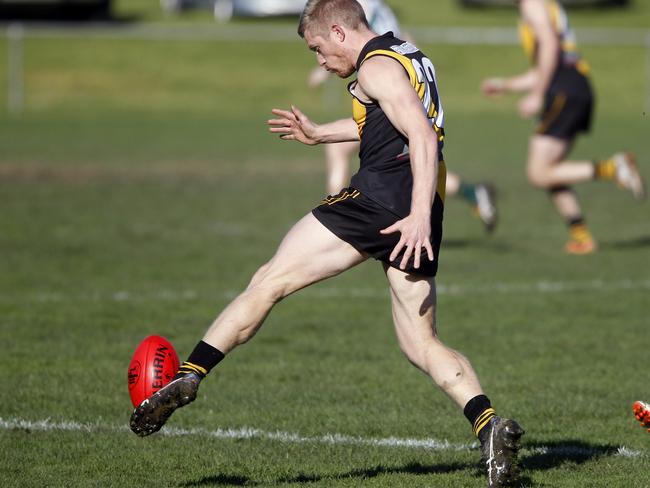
(558, 87)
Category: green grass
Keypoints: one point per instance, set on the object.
(140, 190)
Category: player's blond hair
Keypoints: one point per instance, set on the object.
(320, 15)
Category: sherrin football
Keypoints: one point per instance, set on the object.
(153, 365)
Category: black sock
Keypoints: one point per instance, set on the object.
(479, 411)
(204, 357)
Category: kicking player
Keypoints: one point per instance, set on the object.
(558, 87)
(480, 196)
(392, 212)
(642, 413)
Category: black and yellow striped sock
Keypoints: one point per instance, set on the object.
(479, 411)
(203, 358)
(605, 169)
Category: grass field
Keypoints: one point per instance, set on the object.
(140, 190)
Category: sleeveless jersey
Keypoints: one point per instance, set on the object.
(385, 166)
(569, 55)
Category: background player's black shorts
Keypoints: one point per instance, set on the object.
(568, 105)
(357, 219)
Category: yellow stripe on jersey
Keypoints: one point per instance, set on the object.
(403, 60)
(359, 110)
(359, 115)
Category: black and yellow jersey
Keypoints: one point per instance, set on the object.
(569, 55)
(385, 167)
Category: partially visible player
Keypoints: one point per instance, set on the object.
(480, 196)
(642, 413)
(557, 86)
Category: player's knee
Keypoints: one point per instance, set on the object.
(267, 287)
(259, 275)
(538, 178)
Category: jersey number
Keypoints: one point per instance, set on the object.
(426, 74)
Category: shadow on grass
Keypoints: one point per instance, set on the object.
(486, 243)
(411, 468)
(550, 455)
(536, 457)
(635, 243)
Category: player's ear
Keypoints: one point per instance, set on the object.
(338, 32)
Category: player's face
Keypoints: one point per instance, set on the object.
(330, 53)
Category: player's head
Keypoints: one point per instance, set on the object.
(328, 26)
(319, 16)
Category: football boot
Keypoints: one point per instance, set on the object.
(499, 448)
(152, 413)
(627, 174)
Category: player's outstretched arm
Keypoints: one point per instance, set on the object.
(514, 84)
(293, 125)
(382, 79)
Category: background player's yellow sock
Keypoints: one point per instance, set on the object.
(605, 169)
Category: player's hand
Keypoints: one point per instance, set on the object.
(415, 233)
(530, 105)
(493, 86)
(293, 125)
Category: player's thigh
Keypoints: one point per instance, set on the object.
(308, 253)
(414, 305)
(544, 152)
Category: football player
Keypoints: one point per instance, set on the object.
(392, 212)
(481, 196)
(558, 88)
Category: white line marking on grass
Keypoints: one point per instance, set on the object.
(248, 433)
(337, 292)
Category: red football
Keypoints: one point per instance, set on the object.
(153, 365)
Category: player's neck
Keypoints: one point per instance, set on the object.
(358, 40)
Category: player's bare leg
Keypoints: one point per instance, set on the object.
(547, 169)
(338, 165)
(413, 301)
(481, 196)
(414, 308)
(307, 254)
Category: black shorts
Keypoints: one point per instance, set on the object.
(568, 105)
(357, 219)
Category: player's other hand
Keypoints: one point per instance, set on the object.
(293, 125)
(493, 86)
(415, 233)
(530, 105)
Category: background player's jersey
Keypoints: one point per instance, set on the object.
(569, 55)
(385, 166)
(380, 17)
